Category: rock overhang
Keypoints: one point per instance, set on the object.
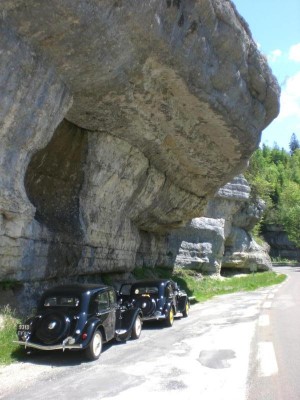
(182, 81)
(119, 120)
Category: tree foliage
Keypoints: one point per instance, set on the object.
(289, 206)
(294, 143)
(274, 175)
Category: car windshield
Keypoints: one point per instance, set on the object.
(139, 290)
(61, 301)
(125, 289)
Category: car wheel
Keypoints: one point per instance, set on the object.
(186, 311)
(137, 328)
(94, 348)
(170, 318)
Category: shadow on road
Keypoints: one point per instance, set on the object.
(157, 325)
(56, 358)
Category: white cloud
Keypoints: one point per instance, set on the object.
(274, 55)
(294, 53)
(290, 98)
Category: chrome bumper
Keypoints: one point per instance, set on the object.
(43, 347)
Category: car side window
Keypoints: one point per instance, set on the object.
(125, 289)
(112, 297)
(102, 301)
(174, 287)
(169, 291)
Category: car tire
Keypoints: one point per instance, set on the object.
(137, 328)
(186, 311)
(170, 317)
(94, 348)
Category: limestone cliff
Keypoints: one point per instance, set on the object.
(119, 119)
(222, 239)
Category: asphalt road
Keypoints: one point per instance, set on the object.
(217, 353)
(277, 342)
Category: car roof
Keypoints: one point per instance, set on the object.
(77, 288)
(150, 282)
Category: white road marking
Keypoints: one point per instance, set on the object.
(264, 320)
(267, 304)
(267, 363)
(271, 296)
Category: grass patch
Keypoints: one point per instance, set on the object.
(6, 285)
(209, 287)
(204, 288)
(279, 260)
(8, 323)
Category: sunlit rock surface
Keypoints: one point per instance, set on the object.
(119, 119)
(222, 239)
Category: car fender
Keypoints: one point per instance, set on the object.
(91, 326)
(126, 322)
(168, 307)
(182, 301)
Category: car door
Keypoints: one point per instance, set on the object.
(113, 309)
(107, 314)
(171, 295)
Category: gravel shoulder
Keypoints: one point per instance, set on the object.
(38, 367)
(20, 375)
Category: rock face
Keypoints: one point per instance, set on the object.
(200, 245)
(222, 238)
(119, 119)
(280, 245)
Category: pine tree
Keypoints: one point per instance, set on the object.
(294, 144)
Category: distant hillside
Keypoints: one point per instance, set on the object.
(274, 175)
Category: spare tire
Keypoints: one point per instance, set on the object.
(52, 327)
(147, 305)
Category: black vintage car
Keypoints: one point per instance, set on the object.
(159, 299)
(79, 317)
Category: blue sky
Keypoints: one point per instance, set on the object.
(275, 26)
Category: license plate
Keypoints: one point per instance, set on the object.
(23, 329)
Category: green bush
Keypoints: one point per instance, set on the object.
(8, 324)
(280, 260)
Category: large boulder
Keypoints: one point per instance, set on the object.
(200, 245)
(119, 120)
(223, 239)
(243, 252)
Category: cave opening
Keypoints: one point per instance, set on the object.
(54, 178)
